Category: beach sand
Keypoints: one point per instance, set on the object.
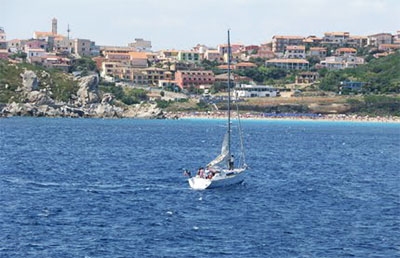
(262, 116)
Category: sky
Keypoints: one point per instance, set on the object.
(182, 24)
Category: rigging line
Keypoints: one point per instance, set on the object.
(243, 156)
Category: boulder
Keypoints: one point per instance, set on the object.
(88, 90)
(30, 81)
(39, 98)
(143, 110)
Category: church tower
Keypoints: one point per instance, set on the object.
(54, 26)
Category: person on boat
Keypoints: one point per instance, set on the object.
(200, 172)
(231, 162)
(186, 172)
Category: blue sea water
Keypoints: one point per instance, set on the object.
(114, 188)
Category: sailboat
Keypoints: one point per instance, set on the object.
(222, 171)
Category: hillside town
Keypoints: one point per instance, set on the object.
(137, 64)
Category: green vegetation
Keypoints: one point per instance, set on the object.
(83, 65)
(380, 75)
(376, 105)
(60, 84)
(126, 95)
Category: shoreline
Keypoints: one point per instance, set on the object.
(284, 117)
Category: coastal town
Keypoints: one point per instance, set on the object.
(284, 66)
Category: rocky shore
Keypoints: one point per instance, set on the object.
(87, 102)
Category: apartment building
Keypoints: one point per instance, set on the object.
(138, 59)
(212, 55)
(357, 41)
(389, 47)
(342, 62)
(141, 45)
(296, 52)
(289, 64)
(186, 79)
(120, 71)
(153, 75)
(279, 43)
(16, 45)
(380, 38)
(335, 38)
(320, 52)
(188, 56)
(223, 48)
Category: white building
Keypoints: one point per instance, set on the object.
(296, 52)
(342, 62)
(250, 91)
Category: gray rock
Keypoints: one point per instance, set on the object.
(88, 90)
(30, 81)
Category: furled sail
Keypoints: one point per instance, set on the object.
(224, 152)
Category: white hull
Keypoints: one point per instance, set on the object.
(222, 179)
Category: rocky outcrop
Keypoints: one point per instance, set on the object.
(88, 92)
(144, 110)
(30, 81)
(38, 102)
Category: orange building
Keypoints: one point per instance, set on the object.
(186, 79)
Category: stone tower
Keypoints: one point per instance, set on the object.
(54, 26)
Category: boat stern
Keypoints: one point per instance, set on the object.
(199, 183)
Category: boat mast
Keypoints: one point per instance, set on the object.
(229, 96)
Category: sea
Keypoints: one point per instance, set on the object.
(115, 188)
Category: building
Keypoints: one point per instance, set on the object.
(389, 47)
(62, 45)
(265, 51)
(296, 52)
(168, 84)
(35, 43)
(4, 54)
(335, 38)
(141, 45)
(33, 54)
(251, 91)
(3, 39)
(223, 48)
(153, 75)
(306, 77)
(320, 52)
(289, 64)
(138, 60)
(345, 50)
(396, 38)
(82, 47)
(342, 62)
(244, 66)
(380, 38)
(347, 87)
(188, 56)
(212, 55)
(186, 79)
(357, 41)
(279, 43)
(16, 45)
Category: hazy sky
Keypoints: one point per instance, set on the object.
(182, 24)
